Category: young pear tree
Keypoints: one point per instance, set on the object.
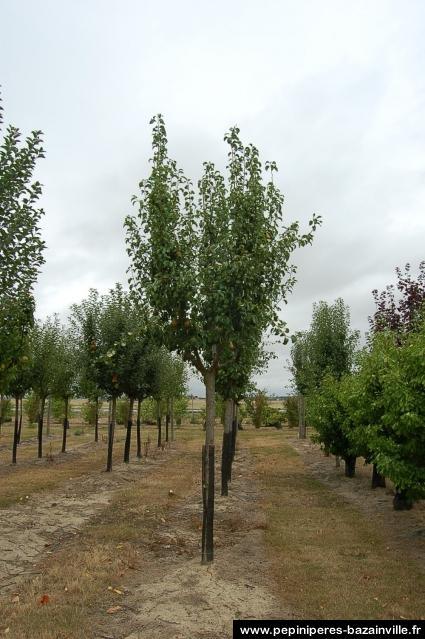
(136, 375)
(85, 327)
(184, 266)
(18, 386)
(21, 247)
(111, 352)
(65, 378)
(44, 342)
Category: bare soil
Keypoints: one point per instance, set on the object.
(119, 554)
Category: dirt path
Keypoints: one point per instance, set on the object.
(39, 526)
(175, 596)
(404, 530)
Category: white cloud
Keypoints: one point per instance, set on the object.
(333, 91)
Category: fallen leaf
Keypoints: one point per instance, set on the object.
(119, 592)
(45, 599)
(113, 609)
(15, 599)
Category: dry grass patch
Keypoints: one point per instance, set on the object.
(88, 576)
(329, 560)
(31, 475)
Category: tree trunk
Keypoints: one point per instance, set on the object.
(15, 431)
(401, 501)
(138, 433)
(110, 411)
(233, 438)
(111, 431)
(96, 421)
(167, 422)
(226, 451)
(40, 427)
(301, 418)
(350, 465)
(65, 425)
(49, 410)
(159, 422)
(128, 434)
(378, 480)
(20, 420)
(208, 461)
(172, 418)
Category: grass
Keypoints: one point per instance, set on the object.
(80, 578)
(329, 561)
(31, 476)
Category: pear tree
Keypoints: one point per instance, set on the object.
(211, 268)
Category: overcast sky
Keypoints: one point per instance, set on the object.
(334, 92)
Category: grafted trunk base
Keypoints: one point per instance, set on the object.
(208, 469)
(401, 501)
(350, 466)
(378, 480)
(226, 463)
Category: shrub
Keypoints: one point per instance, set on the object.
(273, 417)
(31, 408)
(148, 411)
(123, 407)
(6, 410)
(292, 411)
(88, 411)
(394, 382)
(180, 409)
(256, 406)
(327, 413)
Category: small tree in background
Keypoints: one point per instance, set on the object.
(390, 412)
(19, 385)
(402, 313)
(136, 376)
(291, 404)
(44, 342)
(256, 405)
(333, 423)
(111, 352)
(90, 411)
(85, 328)
(328, 347)
(65, 379)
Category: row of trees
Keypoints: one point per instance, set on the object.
(370, 403)
(107, 350)
(209, 271)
